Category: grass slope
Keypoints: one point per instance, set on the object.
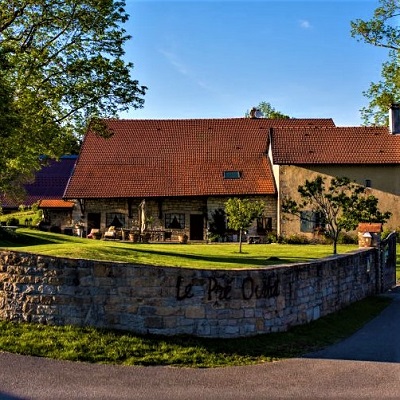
(222, 256)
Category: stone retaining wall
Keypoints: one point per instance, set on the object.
(170, 301)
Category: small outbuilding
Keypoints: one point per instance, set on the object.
(369, 234)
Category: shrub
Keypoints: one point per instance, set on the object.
(347, 238)
(297, 239)
(36, 221)
(217, 224)
(271, 238)
(12, 221)
(8, 235)
(213, 237)
(321, 239)
(55, 229)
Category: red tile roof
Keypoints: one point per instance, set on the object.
(53, 203)
(339, 145)
(369, 227)
(151, 158)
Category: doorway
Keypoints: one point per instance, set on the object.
(196, 227)
(93, 221)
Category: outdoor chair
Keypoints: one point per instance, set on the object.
(94, 233)
(111, 233)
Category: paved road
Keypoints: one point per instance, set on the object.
(379, 340)
(364, 366)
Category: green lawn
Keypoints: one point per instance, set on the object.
(224, 255)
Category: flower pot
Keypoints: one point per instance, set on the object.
(183, 239)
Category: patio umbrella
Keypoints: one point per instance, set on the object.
(142, 215)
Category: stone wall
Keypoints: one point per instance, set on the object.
(169, 301)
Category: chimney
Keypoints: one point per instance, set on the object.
(394, 119)
(255, 113)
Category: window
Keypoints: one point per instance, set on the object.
(264, 225)
(175, 221)
(310, 221)
(232, 174)
(115, 219)
(368, 183)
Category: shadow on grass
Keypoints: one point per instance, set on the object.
(34, 238)
(234, 259)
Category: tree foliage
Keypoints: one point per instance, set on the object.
(217, 225)
(343, 205)
(267, 111)
(241, 213)
(61, 64)
(382, 30)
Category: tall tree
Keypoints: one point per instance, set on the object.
(9, 123)
(342, 204)
(382, 30)
(64, 66)
(265, 110)
(241, 213)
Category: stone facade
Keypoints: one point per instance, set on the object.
(170, 301)
(194, 214)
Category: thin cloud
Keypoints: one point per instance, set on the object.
(173, 59)
(304, 24)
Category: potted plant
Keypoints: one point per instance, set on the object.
(183, 238)
(97, 235)
(133, 235)
(79, 228)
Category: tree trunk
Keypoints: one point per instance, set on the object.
(240, 240)
(335, 245)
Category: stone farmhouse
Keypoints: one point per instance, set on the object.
(181, 170)
(169, 178)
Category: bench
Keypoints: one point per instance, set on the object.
(254, 239)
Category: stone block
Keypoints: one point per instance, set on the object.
(195, 312)
(154, 322)
(102, 271)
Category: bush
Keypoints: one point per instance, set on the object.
(347, 238)
(271, 238)
(36, 221)
(212, 237)
(297, 239)
(321, 239)
(55, 229)
(12, 221)
(8, 235)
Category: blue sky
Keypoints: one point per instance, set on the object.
(217, 59)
